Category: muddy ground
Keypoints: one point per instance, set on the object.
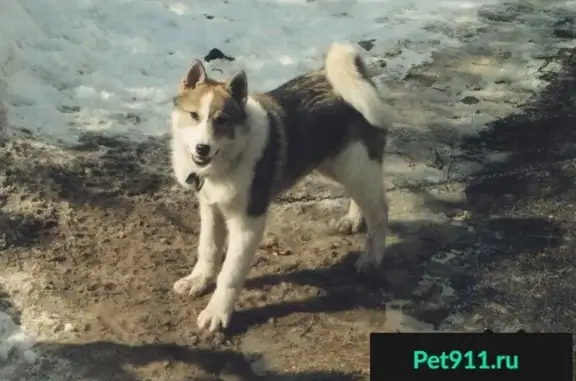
(92, 238)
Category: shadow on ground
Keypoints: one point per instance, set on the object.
(540, 144)
(24, 230)
(40, 185)
(407, 266)
(104, 170)
(113, 362)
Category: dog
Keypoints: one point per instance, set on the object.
(238, 151)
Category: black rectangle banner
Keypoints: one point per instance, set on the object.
(470, 356)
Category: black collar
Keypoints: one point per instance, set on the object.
(197, 181)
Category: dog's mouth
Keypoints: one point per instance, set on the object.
(203, 161)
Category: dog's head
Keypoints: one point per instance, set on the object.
(209, 118)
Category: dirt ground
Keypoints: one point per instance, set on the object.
(93, 237)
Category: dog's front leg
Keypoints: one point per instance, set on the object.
(245, 234)
(210, 245)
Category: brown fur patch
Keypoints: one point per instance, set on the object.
(224, 112)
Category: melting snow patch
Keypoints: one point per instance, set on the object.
(73, 66)
(14, 341)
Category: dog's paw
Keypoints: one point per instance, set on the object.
(216, 315)
(368, 262)
(193, 286)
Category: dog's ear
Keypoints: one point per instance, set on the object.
(195, 75)
(237, 85)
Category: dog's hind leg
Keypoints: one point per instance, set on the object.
(353, 222)
(210, 249)
(361, 177)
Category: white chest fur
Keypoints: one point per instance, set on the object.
(224, 193)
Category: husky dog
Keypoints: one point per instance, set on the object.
(240, 150)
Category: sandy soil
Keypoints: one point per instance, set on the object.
(92, 238)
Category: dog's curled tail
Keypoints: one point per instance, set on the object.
(346, 72)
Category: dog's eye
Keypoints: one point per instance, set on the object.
(194, 115)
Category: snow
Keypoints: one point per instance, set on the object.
(13, 339)
(112, 65)
(25, 324)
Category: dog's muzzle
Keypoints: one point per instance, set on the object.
(202, 161)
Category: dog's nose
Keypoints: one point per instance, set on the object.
(202, 149)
